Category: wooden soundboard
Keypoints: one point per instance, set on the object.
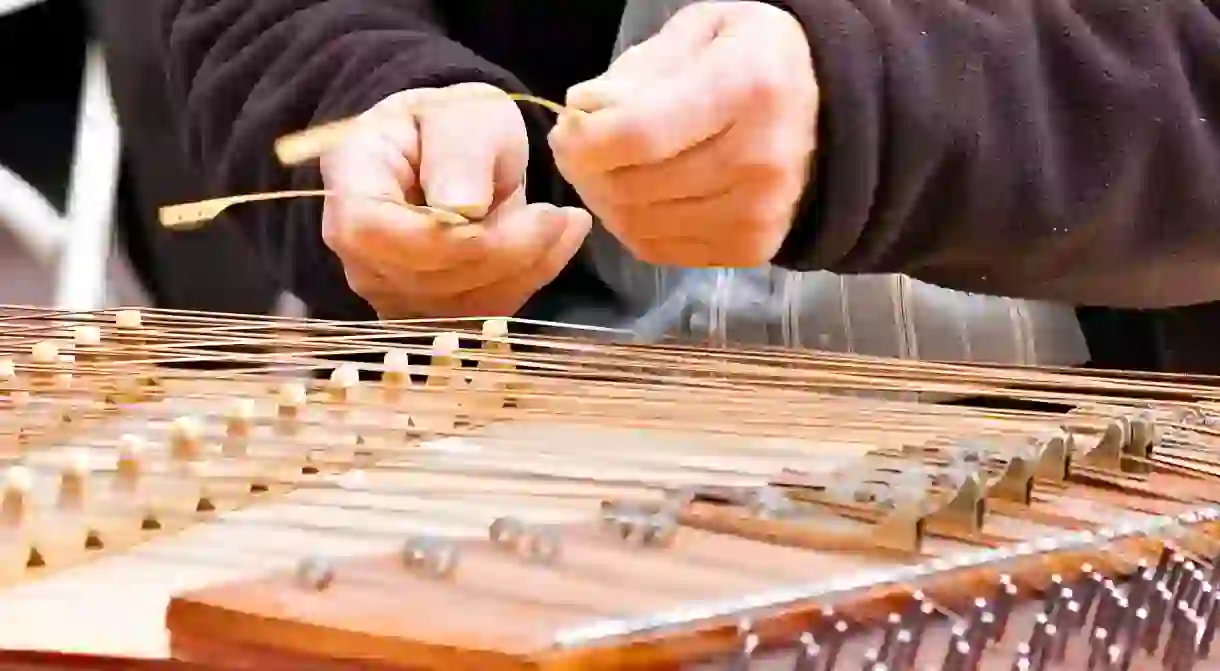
(566, 503)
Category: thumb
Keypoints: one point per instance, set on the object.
(685, 34)
(474, 150)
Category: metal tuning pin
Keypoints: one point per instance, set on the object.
(1209, 612)
(915, 620)
(1004, 601)
(1099, 646)
(315, 573)
(957, 655)
(1134, 632)
(434, 557)
(1089, 588)
(748, 642)
(899, 645)
(1039, 643)
(1022, 660)
(904, 652)
(1157, 605)
(893, 625)
(808, 654)
(1182, 646)
(836, 637)
(534, 543)
(1109, 602)
(507, 533)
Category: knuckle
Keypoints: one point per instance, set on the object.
(396, 107)
(350, 233)
(332, 227)
(475, 89)
(761, 214)
(636, 137)
(473, 97)
(764, 89)
(354, 147)
(765, 172)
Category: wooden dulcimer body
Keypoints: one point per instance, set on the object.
(234, 493)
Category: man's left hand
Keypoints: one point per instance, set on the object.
(698, 142)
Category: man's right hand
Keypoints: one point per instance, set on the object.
(463, 149)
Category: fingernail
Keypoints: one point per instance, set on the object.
(454, 199)
(595, 94)
(575, 216)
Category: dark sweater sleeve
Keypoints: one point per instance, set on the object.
(246, 72)
(1057, 149)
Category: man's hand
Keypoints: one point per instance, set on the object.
(462, 149)
(700, 140)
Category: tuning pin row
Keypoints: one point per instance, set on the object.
(424, 555)
(1089, 623)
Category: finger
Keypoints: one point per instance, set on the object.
(515, 240)
(473, 149)
(389, 237)
(378, 156)
(507, 296)
(662, 119)
(371, 170)
(682, 36)
(744, 226)
(679, 253)
(710, 168)
(371, 286)
(525, 235)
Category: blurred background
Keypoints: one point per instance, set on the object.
(88, 152)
